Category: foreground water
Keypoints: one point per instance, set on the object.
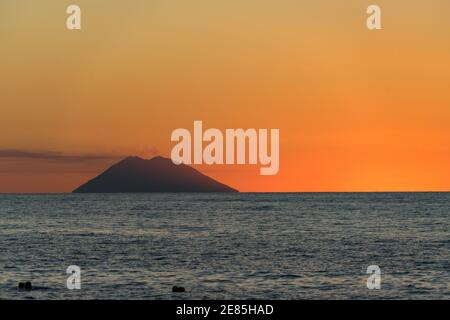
(226, 246)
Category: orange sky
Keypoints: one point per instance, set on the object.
(357, 110)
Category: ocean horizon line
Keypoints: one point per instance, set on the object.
(239, 192)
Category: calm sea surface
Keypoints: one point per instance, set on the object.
(226, 246)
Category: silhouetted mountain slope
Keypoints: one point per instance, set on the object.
(159, 174)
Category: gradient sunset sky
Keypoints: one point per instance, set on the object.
(357, 110)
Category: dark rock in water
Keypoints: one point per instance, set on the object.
(25, 285)
(159, 174)
(178, 289)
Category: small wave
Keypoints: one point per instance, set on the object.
(261, 208)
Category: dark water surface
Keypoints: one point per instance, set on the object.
(226, 246)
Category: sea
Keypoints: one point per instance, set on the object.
(226, 245)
